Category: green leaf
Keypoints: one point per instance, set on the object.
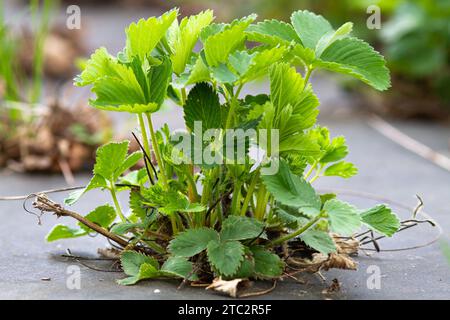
(381, 219)
(146, 271)
(341, 169)
(287, 88)
(218, 46)
(292, 190)
(343, 217)
(64, 232)
(241, 228)
(142, 37)
(192, 242)
(111, 160)
(168, 202)
(183, 38)
(272, 32)
(267, 264)
(123, 228)
(225, 256)
(103, 216)
(261, 62)
(318, 240)
(203, 105)
(354, 57)
(329, 38)
(97, 181)
(131, 262)
(335, 151)
(310, 27)
(159, 78)
(100, 64)
(177, 267)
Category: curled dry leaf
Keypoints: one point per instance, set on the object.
(339, 261)
(348, 246)
(110, 253)
(230, 287)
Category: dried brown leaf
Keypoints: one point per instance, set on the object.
(230, 287)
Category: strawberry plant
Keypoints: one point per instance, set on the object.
(231, 194)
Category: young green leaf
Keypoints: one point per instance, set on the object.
(241, 228)
(131, 262)
(97, 181)
(330, 37)
(183, 38)
(142, 37)
(267, 264)
(341, 169)
(64, 232)
(103, 216)
(343, 217)
(381, 219)
(146, 271)
(192, 242)
(292, 190)
(218, 46)
(225, 256)
(272, 32)
(318, 240)
(310, 27)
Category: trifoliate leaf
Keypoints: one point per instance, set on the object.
(341, 169)
(131, 262)
(292, 190)
(354, 57)
(381, 219)
(100, 64)
(267, 264)
(310, 27)
(103, 216)
(225, 256)
(143, 36)
(183, 38)
(318, 240)
(192, 242)
(64, 232)
(343, 217)
(203, 105)
(241, 228)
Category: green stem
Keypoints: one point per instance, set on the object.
(236, 198)
(261, 202)
(308, 75)
(233, 104)
(112, 190)
(145, 141)
(297, 232)
(157, 153)
(307, 174)
(250, 191)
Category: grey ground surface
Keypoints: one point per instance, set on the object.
(385, 169)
